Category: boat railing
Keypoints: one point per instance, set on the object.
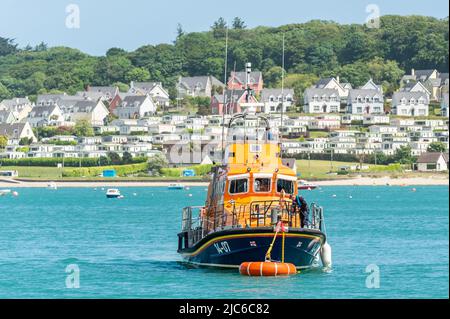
(265, 213)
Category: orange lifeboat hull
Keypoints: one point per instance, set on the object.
(265, 268)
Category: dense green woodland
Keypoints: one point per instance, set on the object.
(313, 49)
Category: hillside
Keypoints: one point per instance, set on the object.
(313, 49)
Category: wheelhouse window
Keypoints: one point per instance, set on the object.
(238, 186)
(287, 186)
(262, 185)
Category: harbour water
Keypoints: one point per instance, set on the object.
(126, 248)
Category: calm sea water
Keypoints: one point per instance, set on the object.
(127, 248)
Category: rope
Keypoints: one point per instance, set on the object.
(268, 257)
(269, 251)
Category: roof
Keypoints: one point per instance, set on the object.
(84, 106)
(199, 82)
(8, 129)
(423, 74)
(231, 95)
(39, 111)
(409, 95)
(431, 157)
(105, 90)
(255, 76)
(364, 92)
(320, 92)
(132, 100)
(41, 98)
(267, 93)
(12, 103)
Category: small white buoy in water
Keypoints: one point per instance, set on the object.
(187, 188)
(190, 195)
(413, 189)
(134, 194)
(350, 197)
(15, 194)
(334, 195)
(325, 255)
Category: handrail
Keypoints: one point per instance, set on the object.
(263, 213)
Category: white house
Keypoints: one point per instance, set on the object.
(17, 131)
(365, 101)
(154, 89)
(45, 115)
(321, 100)
(135, 107)
(91, 111)
(410, 103)
(20, 107)
(334, 83)
(371, 85)
(432, 161)
(8, 117)
(273, 99)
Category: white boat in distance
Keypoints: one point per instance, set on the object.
(113, 193)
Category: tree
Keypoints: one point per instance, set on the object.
(7, 46)
(83, 128)
(403, 155)
(180, 31)
(157, 162)
(127, 158)
(104, 161)
(138, 75)
(438, 147)
(25, 141)
(4, 92)
(114, 158)
(3, 141)
(238, 24)
(219, 28)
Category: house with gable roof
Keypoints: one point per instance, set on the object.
(197, 86)
(334, 83)
(237, 81)
(410, 103)
(365, 101)
(135, 107)
(273, 99)
(319, 100)
(154, 89)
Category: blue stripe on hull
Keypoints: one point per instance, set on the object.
(231, 252)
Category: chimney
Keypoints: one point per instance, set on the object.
(338, 79)
(412, 72)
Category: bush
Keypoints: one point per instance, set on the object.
(200, 170)
(68, 162)
(121, 170)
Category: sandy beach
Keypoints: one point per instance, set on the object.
(362, 181)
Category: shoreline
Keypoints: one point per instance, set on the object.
(361, 181)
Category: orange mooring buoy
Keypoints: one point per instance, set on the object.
(266, 268)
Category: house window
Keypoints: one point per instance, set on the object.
(287, 186)
(239, 186)
(262, 185)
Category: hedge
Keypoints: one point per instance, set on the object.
(200, 170)
(121, 170)
(53, 161)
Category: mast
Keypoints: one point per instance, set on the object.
(224, 107)
(282, 102)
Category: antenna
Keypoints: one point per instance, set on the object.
(282, 101)
(224, 106)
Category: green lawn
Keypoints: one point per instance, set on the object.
(318, 134)
(316, 169)
(54, 173)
